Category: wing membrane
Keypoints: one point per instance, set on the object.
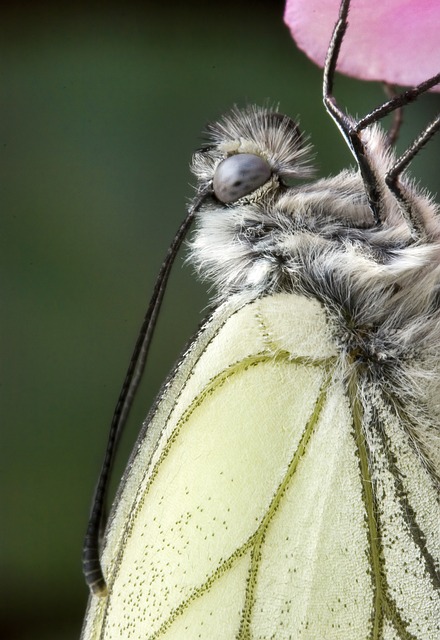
(261, 503)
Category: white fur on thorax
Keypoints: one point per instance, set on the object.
(319, 239)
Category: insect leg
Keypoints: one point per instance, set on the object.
(351, 131)
(397, 102)
(412, 214)
(394, 130)
(346, 124)
(393, 175)
(412, 151)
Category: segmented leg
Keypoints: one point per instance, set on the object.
(351, 130)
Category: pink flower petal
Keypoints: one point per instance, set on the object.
(396, 41)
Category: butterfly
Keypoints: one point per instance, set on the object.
(286, 482)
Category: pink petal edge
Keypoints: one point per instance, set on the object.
(394, 41)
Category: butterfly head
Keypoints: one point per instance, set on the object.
(250, 152)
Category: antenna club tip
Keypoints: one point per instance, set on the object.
(99, 588)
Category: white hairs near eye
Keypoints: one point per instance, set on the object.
(286, 483)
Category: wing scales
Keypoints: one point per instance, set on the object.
(408, 517)
(316, 546)
(207, 620)
(250, 489)
(280, 391)
(211, 487)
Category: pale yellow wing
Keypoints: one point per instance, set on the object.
(247, 511)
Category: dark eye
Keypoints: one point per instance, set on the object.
(239, 175)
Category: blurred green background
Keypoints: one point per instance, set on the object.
(101, 108)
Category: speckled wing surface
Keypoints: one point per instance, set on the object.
(262, 501)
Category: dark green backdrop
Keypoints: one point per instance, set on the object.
(101, 107)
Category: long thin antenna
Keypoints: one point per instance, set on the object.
(91, 562)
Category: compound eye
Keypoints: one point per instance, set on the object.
(239, 175)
